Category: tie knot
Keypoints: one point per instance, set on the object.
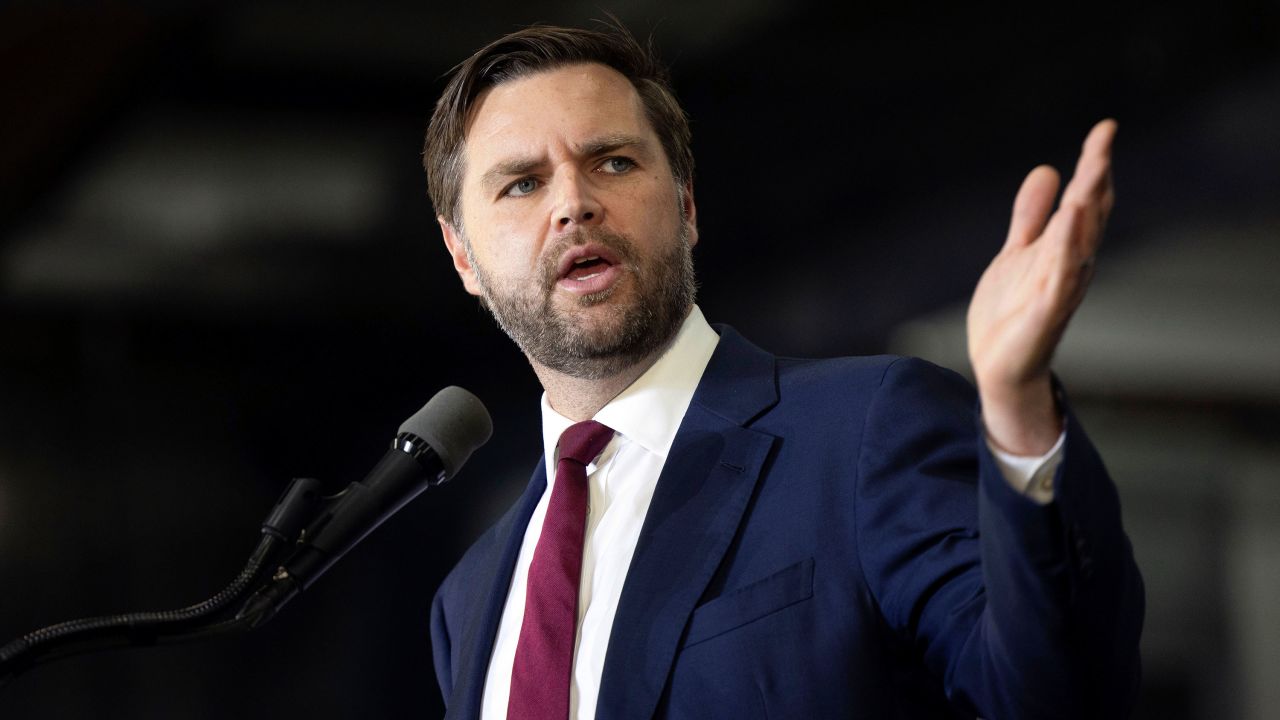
(583, 441)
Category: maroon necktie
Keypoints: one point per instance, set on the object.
(543, 668)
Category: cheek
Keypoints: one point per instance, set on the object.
(506, 246)
(496, 230)
(656, 207)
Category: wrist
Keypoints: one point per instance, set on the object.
(1021, 418)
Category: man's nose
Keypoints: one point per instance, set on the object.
(576, 203)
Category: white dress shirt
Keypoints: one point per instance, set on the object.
(620, 483)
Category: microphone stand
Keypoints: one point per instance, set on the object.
(295, 510)
(304, 535)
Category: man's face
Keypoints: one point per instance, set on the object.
(573, 230)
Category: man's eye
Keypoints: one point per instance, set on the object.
(617, 165)
(522, 187)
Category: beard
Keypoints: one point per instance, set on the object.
(563, 339)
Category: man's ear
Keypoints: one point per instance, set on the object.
(458, 251)
(689, 211)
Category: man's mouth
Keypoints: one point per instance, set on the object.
(587, 267)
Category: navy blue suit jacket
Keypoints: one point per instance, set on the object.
(832, 538)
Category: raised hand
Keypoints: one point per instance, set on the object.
(1028, 293)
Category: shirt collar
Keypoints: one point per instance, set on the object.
(648, 412)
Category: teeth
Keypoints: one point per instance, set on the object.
(579, 261)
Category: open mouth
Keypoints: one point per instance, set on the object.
(589, 269)
(585, 268)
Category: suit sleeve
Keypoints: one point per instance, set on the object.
(1022, 610)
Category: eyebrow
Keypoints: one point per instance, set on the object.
(508, 168)
(610, 143)
(603, 145)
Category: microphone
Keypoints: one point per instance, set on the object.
(429, 449)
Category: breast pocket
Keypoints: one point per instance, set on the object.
(791, 585)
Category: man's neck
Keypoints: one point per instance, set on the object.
(579, 398)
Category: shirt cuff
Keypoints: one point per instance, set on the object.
(1031, 476)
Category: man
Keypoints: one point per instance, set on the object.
(737, 535)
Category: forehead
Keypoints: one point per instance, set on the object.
(565, 105)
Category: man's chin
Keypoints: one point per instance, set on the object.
(599, 329)
(605, 310)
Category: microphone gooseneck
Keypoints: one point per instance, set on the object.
(311, 533)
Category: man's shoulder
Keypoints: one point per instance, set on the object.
(859, 369)
(460, 577)
(480, 559)
(851, 382)
(869, 370)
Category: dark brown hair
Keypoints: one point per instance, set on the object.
(535, 49)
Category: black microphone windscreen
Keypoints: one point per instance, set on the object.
(454, 423)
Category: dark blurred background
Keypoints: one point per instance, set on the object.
(219, 270)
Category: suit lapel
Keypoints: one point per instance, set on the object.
(491, 590)
(698, 504)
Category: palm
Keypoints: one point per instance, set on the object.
(1021, 305)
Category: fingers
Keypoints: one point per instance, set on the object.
(1067, 271)
(1032, 205)
(1092, 177)
(1091, 188)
